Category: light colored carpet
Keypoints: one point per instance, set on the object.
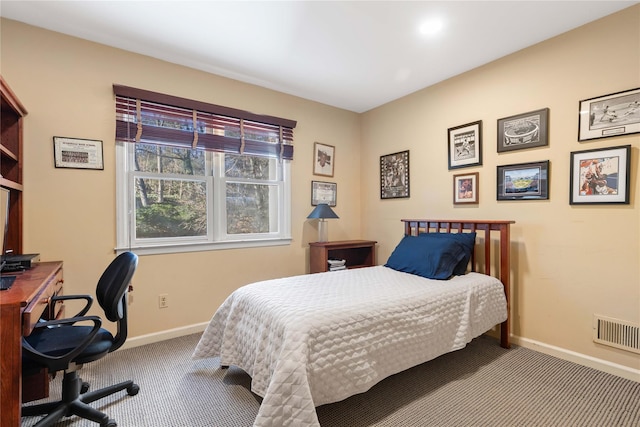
(481, 385)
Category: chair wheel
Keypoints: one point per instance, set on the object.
(85, 387)
(109, 423)
(133, 389)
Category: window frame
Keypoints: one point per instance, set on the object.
(217, 237)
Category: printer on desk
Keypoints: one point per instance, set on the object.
(19, 262)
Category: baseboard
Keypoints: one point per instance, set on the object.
(580, 359)
(561, 353)
(164, 335)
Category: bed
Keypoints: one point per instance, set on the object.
(315, 339)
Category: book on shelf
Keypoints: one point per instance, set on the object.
(337, 264)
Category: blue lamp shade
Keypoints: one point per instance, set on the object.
(322, 211)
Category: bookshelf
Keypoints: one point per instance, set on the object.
(11, 125)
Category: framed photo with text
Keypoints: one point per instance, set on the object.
(323, 159)
(77, 153)
(527, 130)
(394, 175)
(465, 145)
(609, 115)
(524, 181)
(600, 176)
(465, 189)
(324, 192)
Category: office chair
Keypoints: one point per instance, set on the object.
(63, 345)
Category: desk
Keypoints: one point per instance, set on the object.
(20, 307)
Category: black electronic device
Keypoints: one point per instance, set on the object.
(6, 282)
(19, 262)
(5, 201)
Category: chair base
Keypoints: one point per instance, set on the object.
(75, 403)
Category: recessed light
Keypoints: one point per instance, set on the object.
(431, 27)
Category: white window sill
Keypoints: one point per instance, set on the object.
(208, 246)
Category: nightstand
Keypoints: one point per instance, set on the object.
(356, 253)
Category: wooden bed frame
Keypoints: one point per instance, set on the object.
(413, 227)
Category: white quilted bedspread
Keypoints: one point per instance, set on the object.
(319, 338)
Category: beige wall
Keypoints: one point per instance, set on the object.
(66, 85)
(569, 261)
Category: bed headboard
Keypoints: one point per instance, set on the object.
(483, 229)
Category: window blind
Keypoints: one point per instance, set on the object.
(153, 118)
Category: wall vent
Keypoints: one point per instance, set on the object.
(616, 333)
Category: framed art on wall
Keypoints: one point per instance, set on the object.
(600, 176)
(323, 159)
(394, 175)
(324, 192)
(77, 153)
(465, 188)
(609, 115)
(522, 131)
(524, 181)
(465, 145)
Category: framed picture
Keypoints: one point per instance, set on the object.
(465, 145)
(323, 159)
(324, 192)
(600, 176)
(394, 175)
(609, 115)
(77, 153)
(522, 131)
(523, 181)
(465, 188)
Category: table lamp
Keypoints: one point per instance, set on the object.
(322, 212)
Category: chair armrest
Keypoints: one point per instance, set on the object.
(56, 363)
(85, 309)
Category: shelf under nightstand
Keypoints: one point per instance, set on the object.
(356, 253)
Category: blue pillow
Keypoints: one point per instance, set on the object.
(430, 258)
(468, 240)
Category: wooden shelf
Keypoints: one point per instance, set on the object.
(10, 184)
(8, 153)
(356, 253)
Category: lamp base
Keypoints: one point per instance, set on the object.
(323, 231)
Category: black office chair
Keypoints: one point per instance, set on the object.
(64, 345)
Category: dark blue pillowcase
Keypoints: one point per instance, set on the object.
(430, 258)
(467, 239)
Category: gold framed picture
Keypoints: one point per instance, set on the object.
(324, 157)
(465, 188)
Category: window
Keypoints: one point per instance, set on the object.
(188, 181)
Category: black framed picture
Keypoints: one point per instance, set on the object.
(523, 181)
(465, 145)
(324, 192)
(77, 153)
(394, 175)
(609, 115)
(527, 130)
(600, 176)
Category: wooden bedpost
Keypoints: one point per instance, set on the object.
(505, 278)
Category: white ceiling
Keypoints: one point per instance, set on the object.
(354, 55)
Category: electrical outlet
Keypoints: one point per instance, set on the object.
(163, 300)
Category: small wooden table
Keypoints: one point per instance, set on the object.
(20, 308)
(356, 253)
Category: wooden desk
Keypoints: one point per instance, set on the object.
(20, 307)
